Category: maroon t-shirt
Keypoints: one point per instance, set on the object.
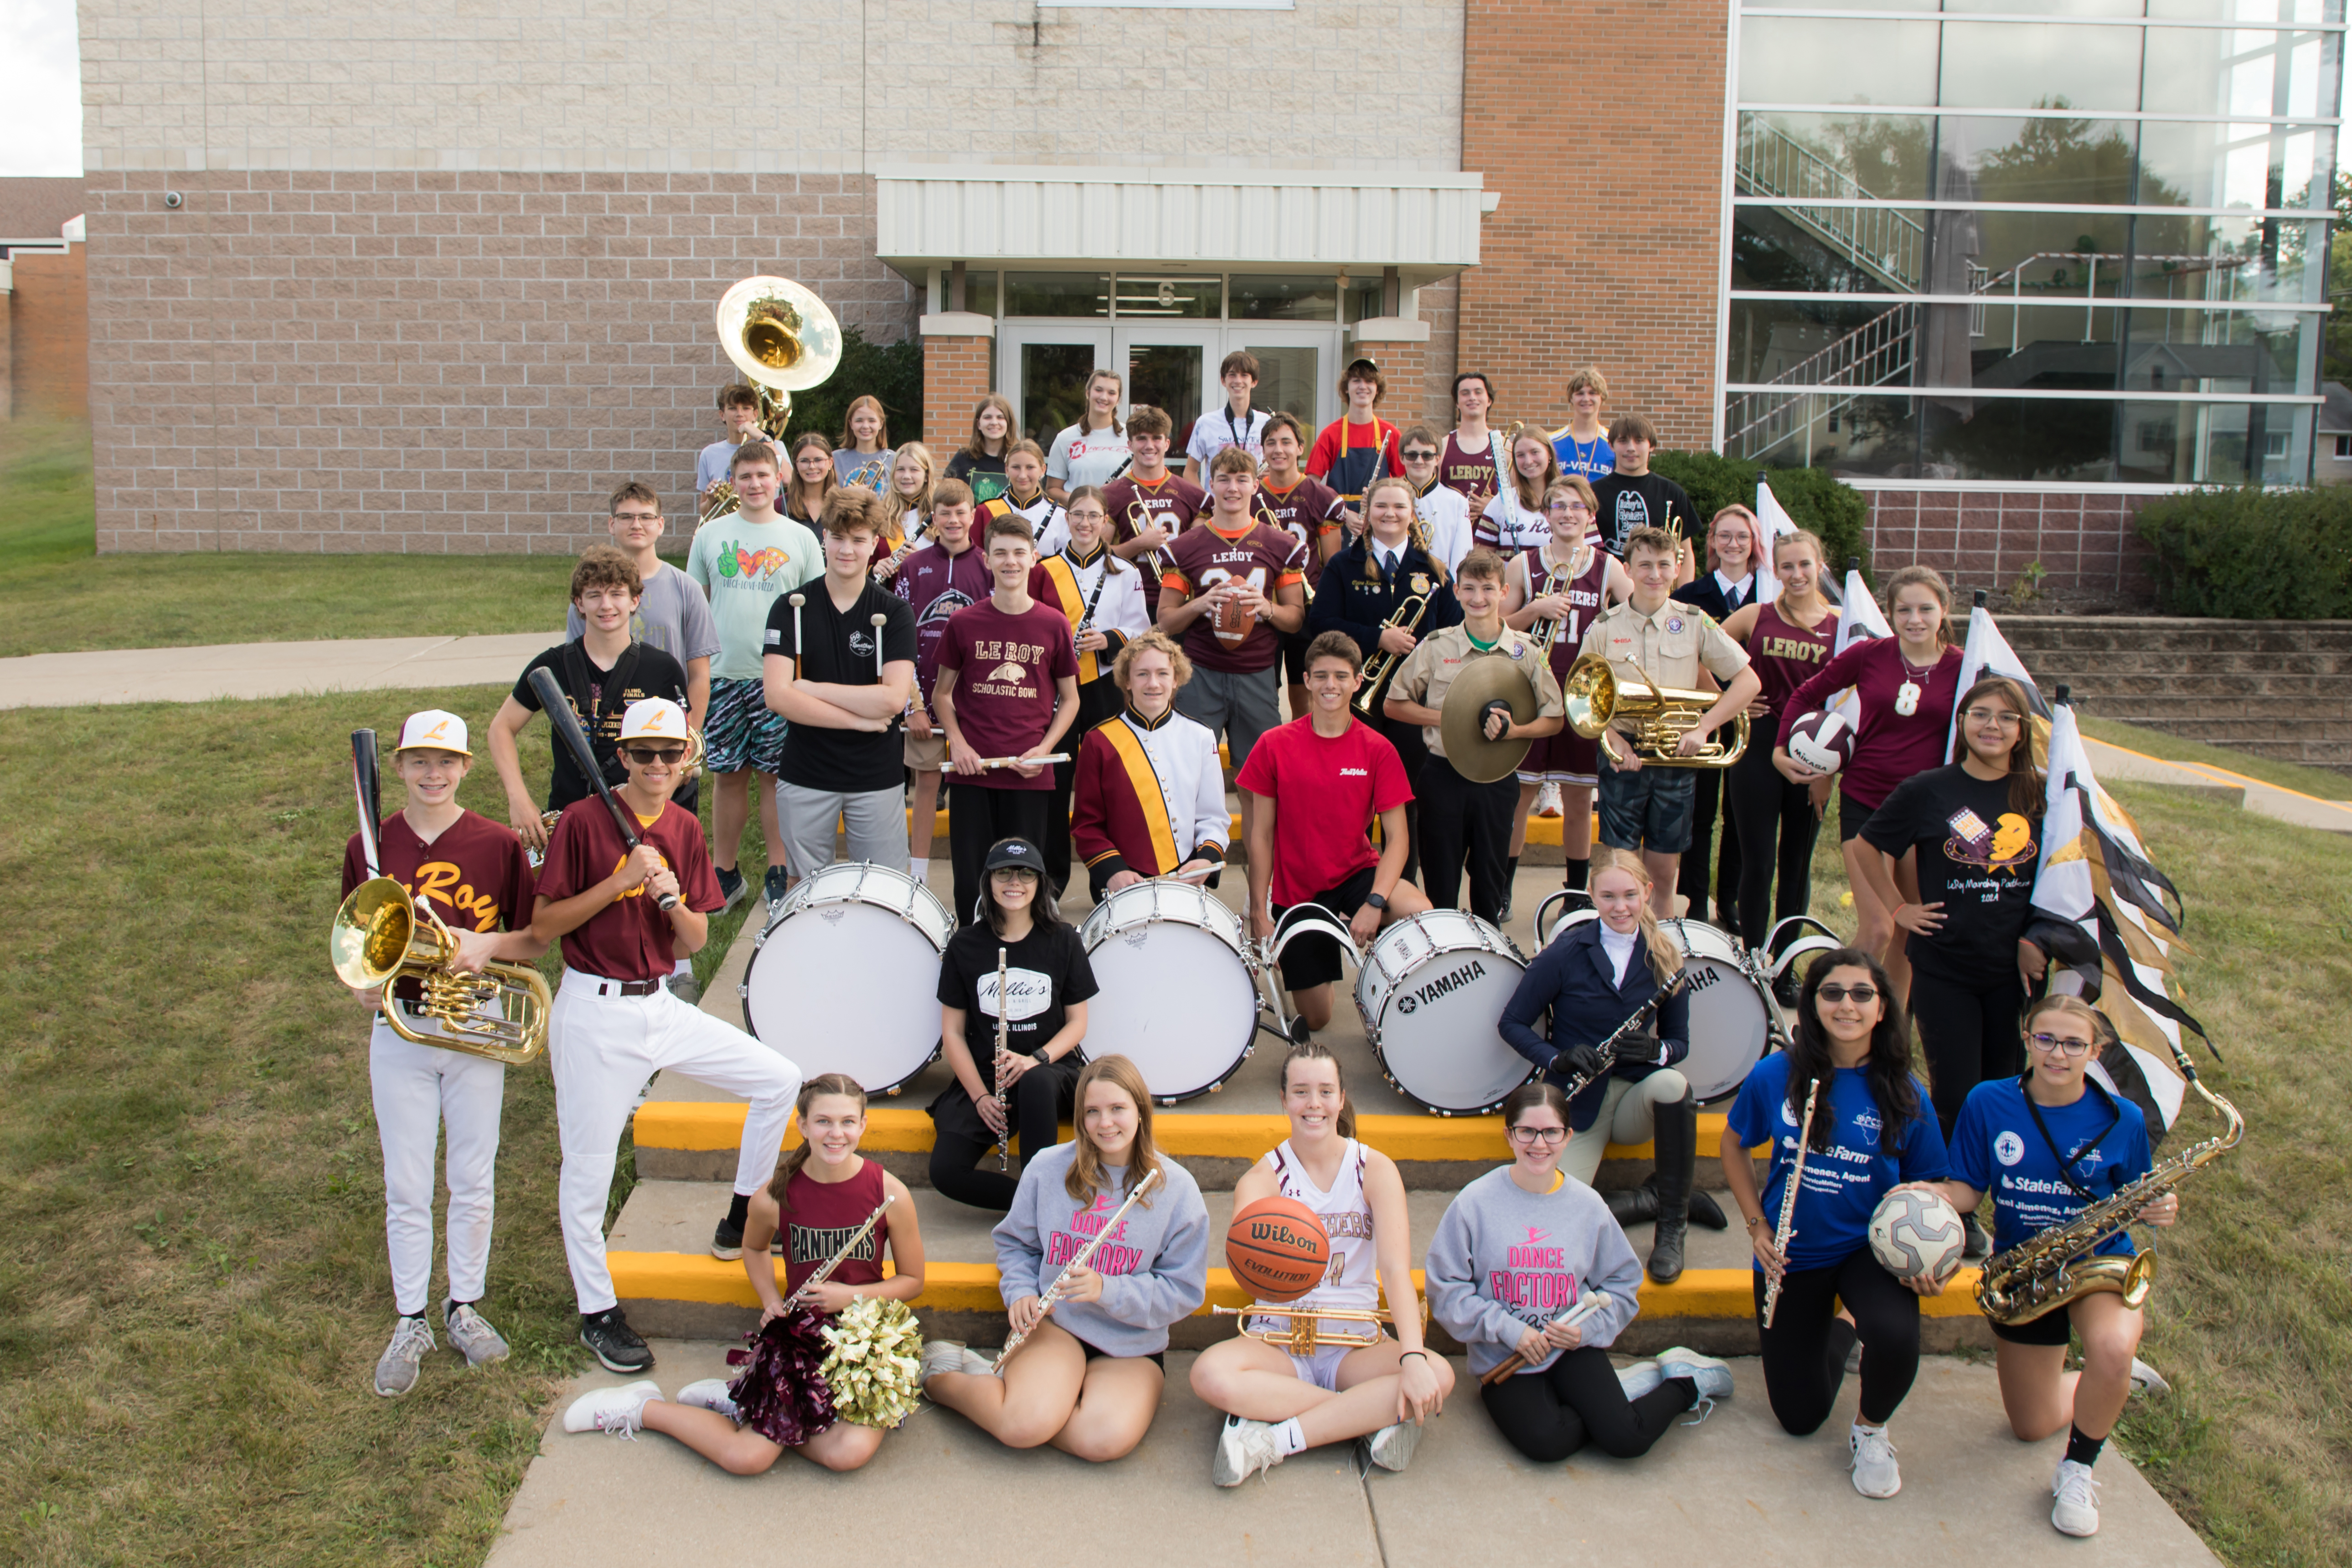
(1008, 666)
(1173, 502)
(1584, 594)
(1889, 747)
(474, 873)
(1785, 655)
(630, 938)
(1267, 558)
(1308, 511)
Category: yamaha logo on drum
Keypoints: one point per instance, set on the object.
(1412, 1001)
(1704, 975)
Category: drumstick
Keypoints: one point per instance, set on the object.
(800, 650)
(1592, 1302)
(879, 620)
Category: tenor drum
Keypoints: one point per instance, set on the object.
(1176, 996)
(1431, 992)
(846, 978)
(1732, 1015)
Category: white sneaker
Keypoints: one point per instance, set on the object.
(1874, 1471)
(396, 1371)
(1243, 1448)
(710, 1394)
(618, 1411)
(1713, 1377)
(1547, 800)
(472, 1336)
(2146, 1379)
(943, 1355)
(2078, 1491)
(1639, 1379)
(1392, 1446)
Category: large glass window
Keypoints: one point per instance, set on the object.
(1284, 297)
(1055, 294)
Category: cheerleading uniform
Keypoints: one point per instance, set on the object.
(820, 1216)
(1352, 1277)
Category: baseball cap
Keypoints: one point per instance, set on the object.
(1364, 360)
(654, 719)
(436, 729)
(1015, 852)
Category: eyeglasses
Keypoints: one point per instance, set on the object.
(646, 756)
(1538, 1134)
(1565, 506)
(1863, 994)
(636, 517)
(2060, 1046)
(2000, 716)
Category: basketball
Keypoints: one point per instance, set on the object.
(1823, 742)
(1277, 1249)
(1913, 1233)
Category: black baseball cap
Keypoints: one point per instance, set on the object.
(1365, 360)
(1015, 852)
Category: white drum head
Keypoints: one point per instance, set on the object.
(1432, 1015)
(846, 988)
(1729, 1027)
(1173, 999)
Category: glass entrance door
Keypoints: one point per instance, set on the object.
(1045, 367)
(1173, 368)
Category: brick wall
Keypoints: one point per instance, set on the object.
(2083, 542)
(461, 362)
(1607, 246)
(47, 346)
(955, 378)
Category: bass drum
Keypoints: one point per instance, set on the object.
(1176, 996)
(846, 978)
(1431, 992)
(1733, 1018)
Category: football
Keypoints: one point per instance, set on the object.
(1823, 742)
(1913, 1233)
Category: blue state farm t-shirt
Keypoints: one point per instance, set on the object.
(1997, 1149)
(1844, 1182)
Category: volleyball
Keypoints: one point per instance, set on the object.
(1823, 742)
(1277, 1249)
(1913, 1233)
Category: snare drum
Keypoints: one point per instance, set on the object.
(1732, 1017)
(1175, 995)
(846, 978)
(1431, 992)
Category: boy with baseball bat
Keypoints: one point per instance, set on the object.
(628, 888)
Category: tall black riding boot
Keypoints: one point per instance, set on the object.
(1674, 1137)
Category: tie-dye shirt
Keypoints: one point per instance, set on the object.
(745, 567)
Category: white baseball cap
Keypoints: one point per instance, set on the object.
(654, 719)
(436, 729)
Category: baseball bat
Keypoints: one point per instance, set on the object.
(367, 794)
(566, 725)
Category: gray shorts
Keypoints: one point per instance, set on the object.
(1237, 706)
(1648, 808)
(875, 822)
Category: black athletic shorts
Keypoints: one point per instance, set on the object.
(2052, 1328)
(1294, 657)
(1852, 817)
(1314, 959)
(1093, 1352)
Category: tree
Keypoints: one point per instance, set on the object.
(2336, 355)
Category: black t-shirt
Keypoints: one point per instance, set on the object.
(601, 699)
(984, 473)
(1045, 972)
(841, 653)
(1644, 501)
(1977, 856)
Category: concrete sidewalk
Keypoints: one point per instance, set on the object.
(266, 670)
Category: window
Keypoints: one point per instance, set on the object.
(2344, 446)
(2274, 444)
(1300, 298)
(1055, 293)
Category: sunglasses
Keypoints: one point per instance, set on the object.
(2060, 1046)
(1863, 994)
(646, 756)
(1421, 455)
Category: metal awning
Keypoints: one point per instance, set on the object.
(1426, 226)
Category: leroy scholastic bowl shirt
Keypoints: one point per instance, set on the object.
(1843, 1182)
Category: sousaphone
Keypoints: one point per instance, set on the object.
(1462, 722)
(783, 340)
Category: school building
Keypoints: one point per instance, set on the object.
(434, 277)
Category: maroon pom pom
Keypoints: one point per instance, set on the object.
(782, 1395)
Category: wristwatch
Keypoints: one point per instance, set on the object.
(1377, 901)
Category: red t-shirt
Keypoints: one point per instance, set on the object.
(1343, 453)
(1325, 794)
(1889, 746)
(1008, 666)
(1307, 512)
(1267, 558)
(474, 873)
(630, 938)
(1173, 502)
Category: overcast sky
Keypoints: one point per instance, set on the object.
(40, 88)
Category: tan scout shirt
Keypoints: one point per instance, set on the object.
(1668, 646)
(1430, 668)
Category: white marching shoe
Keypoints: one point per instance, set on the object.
(2076, 1511)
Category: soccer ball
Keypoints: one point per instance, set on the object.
(1913, 1233)
(1823, 742)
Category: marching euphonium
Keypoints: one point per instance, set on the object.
(1597, 695)
(382, 936)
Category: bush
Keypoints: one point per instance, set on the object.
(2252, 554)
(1813, 498)
(891, 372)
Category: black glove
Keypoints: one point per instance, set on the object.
(1641, 1048)
(1582, 1060)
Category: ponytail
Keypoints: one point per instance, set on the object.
(839, 1083)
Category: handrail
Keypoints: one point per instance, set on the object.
(1881, 238)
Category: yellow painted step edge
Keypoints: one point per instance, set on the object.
(972, 1287)
(718, 1124)
(1540, 829)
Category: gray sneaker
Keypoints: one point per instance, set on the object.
(472, 1336)
(395, 1373)
(1392, 1446)
(686, 988)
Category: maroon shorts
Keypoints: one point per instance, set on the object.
(1566, 758)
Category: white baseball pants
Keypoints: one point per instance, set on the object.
(604, 1048)
(419, 1090)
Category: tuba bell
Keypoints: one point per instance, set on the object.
(782, 339)
(380, 936)
(1596, 695)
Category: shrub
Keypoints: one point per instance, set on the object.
(1812, 497)
(2252, 554)
(891, 372)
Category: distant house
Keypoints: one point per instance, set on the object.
(2332, 463)
(44, 300)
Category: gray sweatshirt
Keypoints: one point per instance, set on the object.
(1155, 1268)
(1504, 1260)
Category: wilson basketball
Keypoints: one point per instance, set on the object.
(1277, 1249)
(1823, 742)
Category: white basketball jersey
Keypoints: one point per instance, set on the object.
(1352, 1277)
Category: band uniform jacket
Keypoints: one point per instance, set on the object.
(1148, 797)
(1574, 979)
(1346, 603)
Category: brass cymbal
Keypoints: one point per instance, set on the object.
(1484, 680)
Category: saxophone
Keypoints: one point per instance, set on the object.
(2042, 1273)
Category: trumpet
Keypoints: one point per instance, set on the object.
(381, 935)
(1306, 1332)
(1596, 695)
(1545, 633)
(864, 476)
(722, 501)
(1382, 667)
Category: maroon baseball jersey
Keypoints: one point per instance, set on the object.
(1309, 512)
(1008, 668)
(1173, 502)
(474, 873)
(630, 938)
(1203, 557)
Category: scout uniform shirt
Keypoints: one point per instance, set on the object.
(1429, 671)
(1668, 646)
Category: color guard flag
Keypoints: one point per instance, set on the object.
(1777, 522)
(1988, 653)
(1859, 620)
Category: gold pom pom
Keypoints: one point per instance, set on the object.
(876, 1364)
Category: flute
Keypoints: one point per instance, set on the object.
(824, 1270)
(1014, 1341)
(1787, 1229)
(1003, 1139)
(1592, 1302)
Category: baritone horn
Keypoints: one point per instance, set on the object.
(1597, 696)
(380, 936)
